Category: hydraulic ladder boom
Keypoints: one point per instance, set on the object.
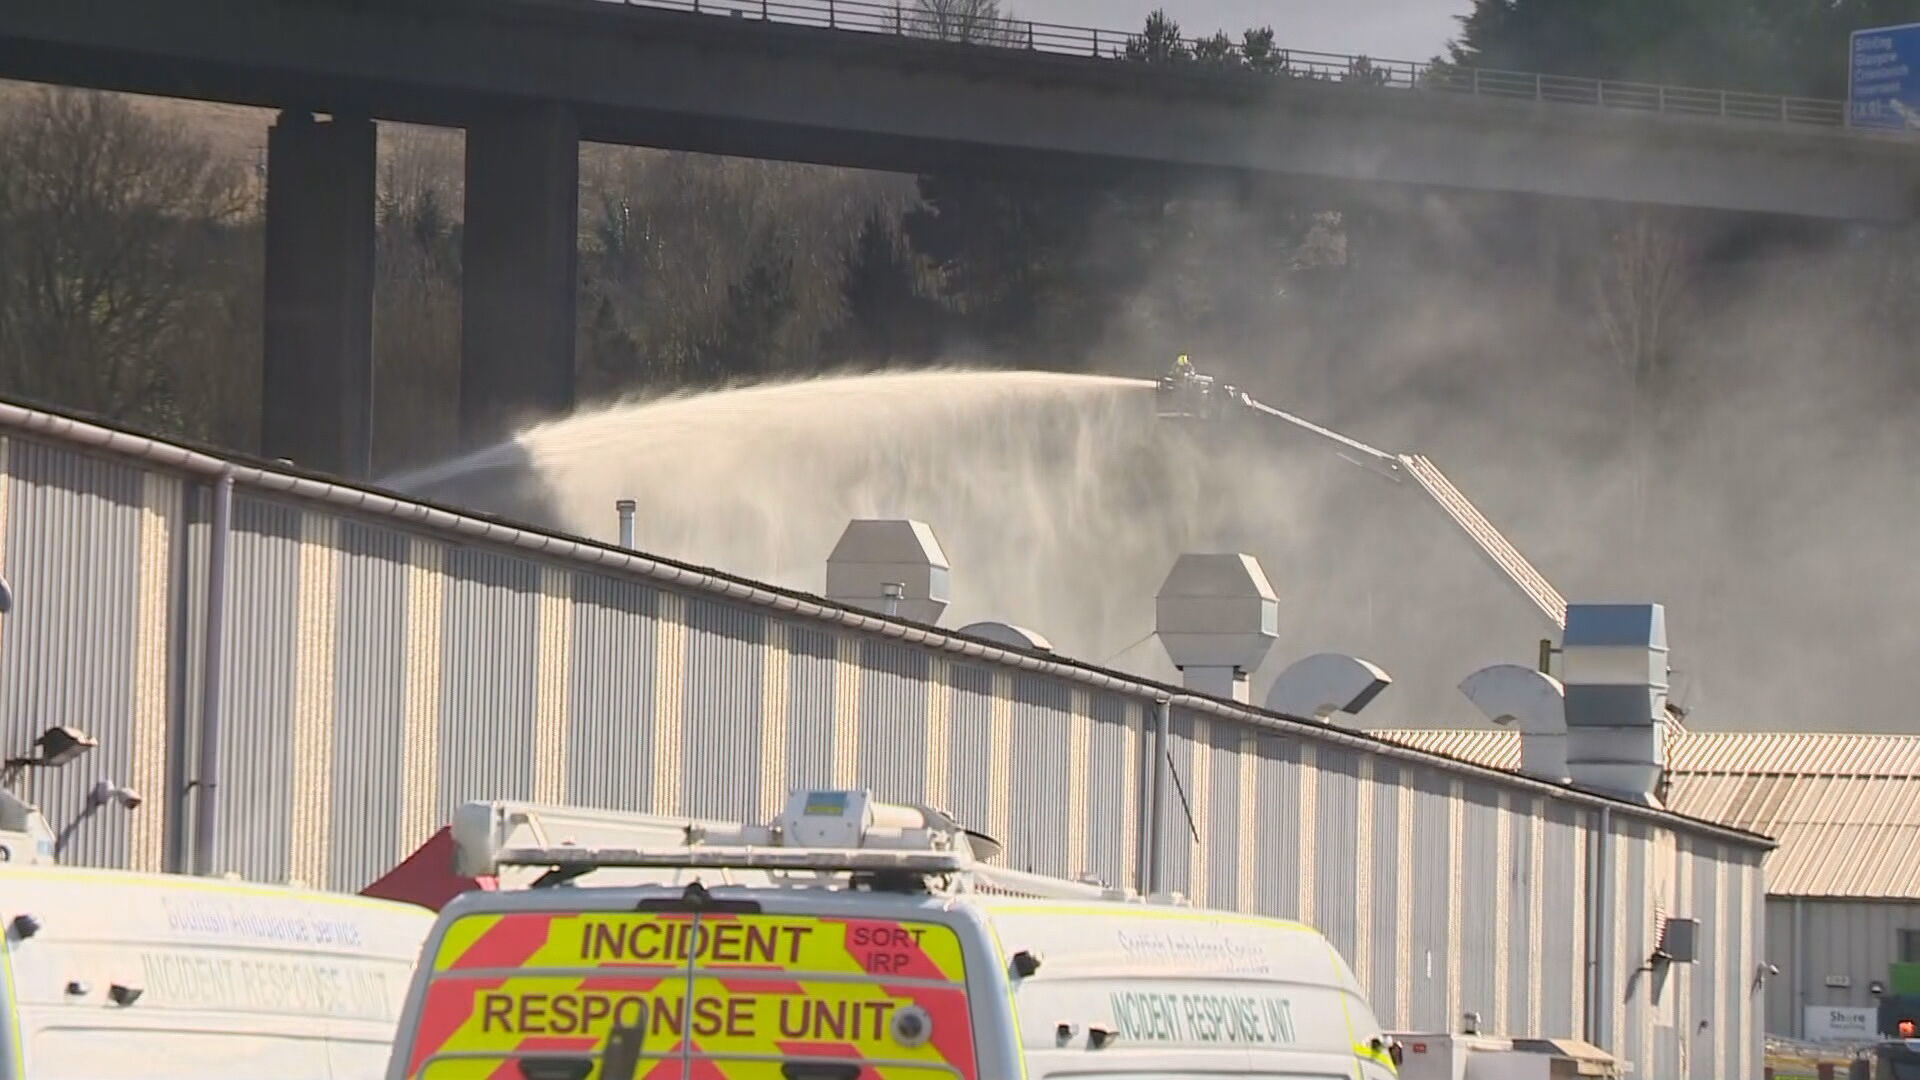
(1184, 394)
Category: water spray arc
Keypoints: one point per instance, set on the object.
(1065, 495)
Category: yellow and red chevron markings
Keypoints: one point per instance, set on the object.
(740, 993)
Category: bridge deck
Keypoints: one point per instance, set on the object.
(642, 74)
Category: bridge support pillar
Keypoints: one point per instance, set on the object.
(519, 267)
(317, 379)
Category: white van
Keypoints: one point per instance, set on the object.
(106, 975)
(853, 940)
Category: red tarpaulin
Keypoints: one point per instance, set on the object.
(426, 877)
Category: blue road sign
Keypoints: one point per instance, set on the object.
(1883, 83)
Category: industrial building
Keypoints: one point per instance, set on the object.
(1843, 887)
(302, 679)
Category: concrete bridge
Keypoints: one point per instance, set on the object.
(835, 82)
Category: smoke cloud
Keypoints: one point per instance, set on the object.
(1734, 445)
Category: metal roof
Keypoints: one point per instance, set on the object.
(1845, 808)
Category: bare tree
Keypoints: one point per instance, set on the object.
(1641, 287)
(417, 290)
(698, 269)
(113, 228)
(975, 22)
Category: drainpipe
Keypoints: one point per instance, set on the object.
(1592, 943)
(1156, 801)
(1599, 931)
(1799, 967)
(213, 651)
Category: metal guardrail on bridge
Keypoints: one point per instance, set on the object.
(908, 20)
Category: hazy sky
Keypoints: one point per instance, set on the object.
(1388, 29)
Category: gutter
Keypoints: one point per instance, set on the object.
(1799, 964)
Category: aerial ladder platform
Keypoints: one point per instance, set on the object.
(1186, 395)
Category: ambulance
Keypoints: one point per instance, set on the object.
(109, 975)
(849, 940)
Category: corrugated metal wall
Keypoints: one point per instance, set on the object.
(1812, 940)
(376, 676)
(87, 547)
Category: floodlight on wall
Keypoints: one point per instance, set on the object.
(6, 596)
(106, 791)
(56, 746)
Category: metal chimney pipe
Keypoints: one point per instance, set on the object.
(626, 507)
(894, 592)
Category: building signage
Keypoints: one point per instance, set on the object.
(1841, 1024)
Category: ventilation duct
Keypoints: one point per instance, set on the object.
(1318, 686)
(1008, 636)
(1217, 616)
(1533, 703)
(1614, 658)
(889, 567)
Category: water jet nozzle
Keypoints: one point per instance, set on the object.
(1185, 394)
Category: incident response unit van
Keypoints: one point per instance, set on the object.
(850, 940)
(107, 975)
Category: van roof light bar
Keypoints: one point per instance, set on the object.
(572, 861)
(814, 821)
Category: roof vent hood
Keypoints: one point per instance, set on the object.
(1009, 636)
(891, 567)
(1532, 702)
(1614, 659)
(1217, 615)
(1319, 686)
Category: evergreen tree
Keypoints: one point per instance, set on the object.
(1765, 46)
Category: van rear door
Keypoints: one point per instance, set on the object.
(704, 989)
